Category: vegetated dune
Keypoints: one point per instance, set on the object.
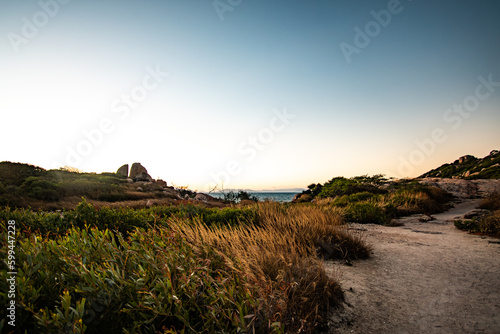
(425, 277)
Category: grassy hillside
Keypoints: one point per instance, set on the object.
(23, 185)
(470, 167)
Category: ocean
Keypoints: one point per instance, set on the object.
(278, 197)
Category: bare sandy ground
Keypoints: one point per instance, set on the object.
(422, 278)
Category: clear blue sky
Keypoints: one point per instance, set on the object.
(257, 94)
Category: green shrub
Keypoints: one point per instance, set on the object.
(119, 197)
(414, 197)
(345, 200)
(229, 216)
(123, 220)
(315, 189)
(40, 189)
(340, 186)
(489, 224)
(366, 213)
(467, 225)
(95, 282)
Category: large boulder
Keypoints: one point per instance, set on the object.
(143, 177)
(123, 171)
(465, 159)
(139, 173)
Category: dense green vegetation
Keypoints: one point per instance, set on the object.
(175, 269)
(340, 186)
(375, 199)
(470, 168)
(123, 220)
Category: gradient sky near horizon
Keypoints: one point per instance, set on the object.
(68, 68)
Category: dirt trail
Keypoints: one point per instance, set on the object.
(422, 278)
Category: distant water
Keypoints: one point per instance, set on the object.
(278, 197)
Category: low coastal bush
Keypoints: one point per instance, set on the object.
(491, 224)
(340, 186)
(393, 200)
(488, 223)
(94, 281)
(184, 269)
(366, 213)
(375, 199)
(123, 220)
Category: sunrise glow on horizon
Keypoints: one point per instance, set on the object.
(254, 95)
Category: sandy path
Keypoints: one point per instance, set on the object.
(422, 278)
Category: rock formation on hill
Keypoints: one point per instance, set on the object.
(139, 173)
(123, 171)
(469, 167)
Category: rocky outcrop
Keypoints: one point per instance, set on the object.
(161, 183)
(465, 188)
(204, 198)
(171, 193)
(143, 177)
(123, 171)
(139, 173)
(469, 167)
(466, 158)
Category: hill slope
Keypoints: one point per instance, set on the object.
(23, 185)
(470, 167)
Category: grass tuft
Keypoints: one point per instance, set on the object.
(279, 253)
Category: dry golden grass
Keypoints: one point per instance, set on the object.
(280, 256)
(491, 223)
(410, 202)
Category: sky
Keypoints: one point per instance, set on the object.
(249, 94)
